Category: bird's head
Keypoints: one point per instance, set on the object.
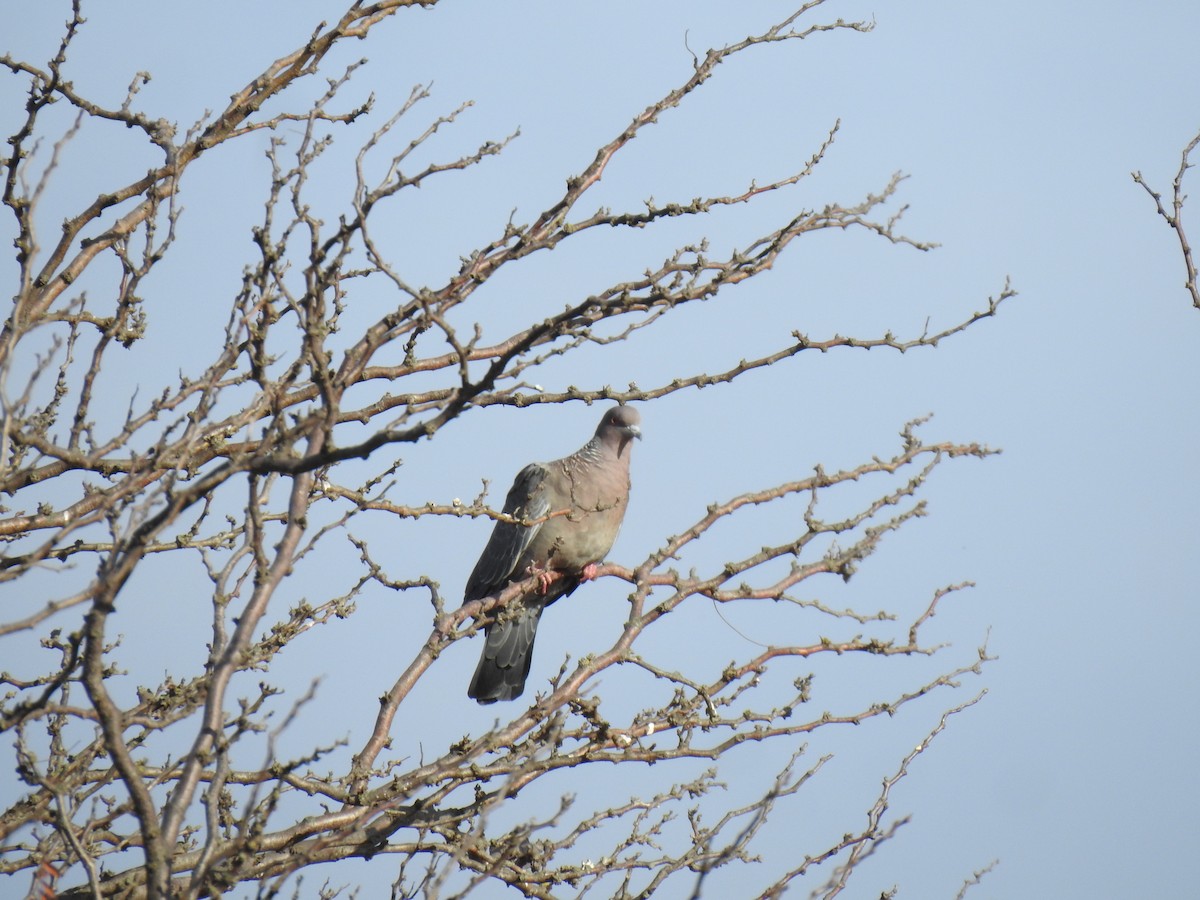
(619, 426)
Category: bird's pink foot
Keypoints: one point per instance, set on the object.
(545, 577)
(589, 572)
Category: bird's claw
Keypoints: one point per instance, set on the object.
(545, 577)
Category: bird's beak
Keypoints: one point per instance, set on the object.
(633, 431)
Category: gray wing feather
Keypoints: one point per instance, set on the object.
(527, 499)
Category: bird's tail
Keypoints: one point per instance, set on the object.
(507, 655)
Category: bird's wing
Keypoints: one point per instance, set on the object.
(527, 499)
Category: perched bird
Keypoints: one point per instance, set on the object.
(576, 504)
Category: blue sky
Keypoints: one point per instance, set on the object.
(1019, 125)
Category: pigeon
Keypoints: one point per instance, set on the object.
(575, 506)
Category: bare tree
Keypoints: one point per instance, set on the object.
(236, 475)
(1172, 214)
